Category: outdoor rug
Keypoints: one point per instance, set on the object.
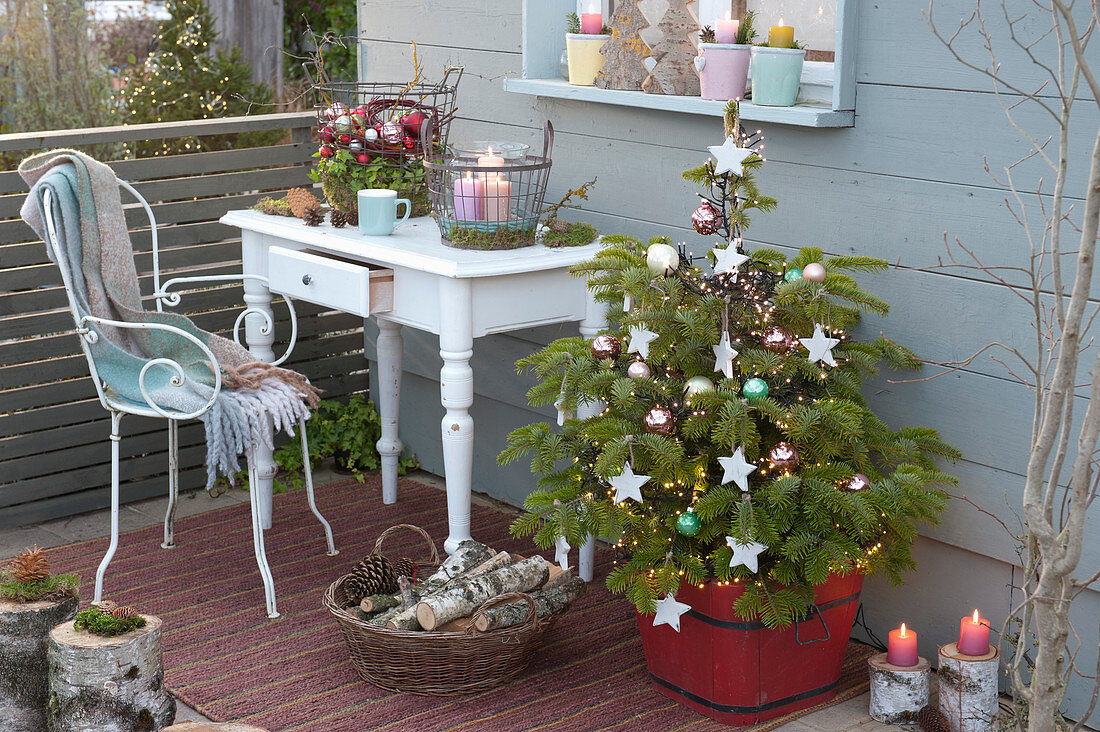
(225, 658)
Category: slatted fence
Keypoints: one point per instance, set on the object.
(54, 452)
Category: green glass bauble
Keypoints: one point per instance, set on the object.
(755, 388)
(793, 274)
(688, 524)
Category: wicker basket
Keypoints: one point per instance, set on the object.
(437, 663)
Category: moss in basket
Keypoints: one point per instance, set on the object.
(97, 622)
(342, 177)
(502, 238)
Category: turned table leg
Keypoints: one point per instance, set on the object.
(593, 322)
(389, 445)
(260, 337)
(456, 386)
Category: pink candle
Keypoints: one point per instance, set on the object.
(497, 198)
(726, 30)
(468, 193)
(591, 23)
(902, 648)
(973, 635)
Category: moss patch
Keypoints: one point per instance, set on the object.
(501, 238)
(576, 234)
(54, 588)
(96, 621)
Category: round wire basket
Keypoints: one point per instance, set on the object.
(375, 135)
(490, 202)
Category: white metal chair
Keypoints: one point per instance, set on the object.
(118, 406)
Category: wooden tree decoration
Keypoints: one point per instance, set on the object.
(625, 52)
(671, 63)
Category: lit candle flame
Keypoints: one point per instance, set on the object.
(469, 175)
(729, 15)
(902, 633)
(976, 616)
(490, 151)
(781, 21)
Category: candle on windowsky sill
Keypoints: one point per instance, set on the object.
(973, 635)
(781, 36)
(468, 194)
(725, 30)
(591, 23)
(496, 202)
(902, 648)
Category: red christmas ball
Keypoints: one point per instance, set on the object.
(361, 110)
(409, 142)
(412, 122)
(784, 456)
(856, 483)
(344, 139)
(327, 151)
(606, 346)
(777, 339)
(326, 134)
(363, 158)
(706, 219)
(660, 421)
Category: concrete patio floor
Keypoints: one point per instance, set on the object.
(849, 716)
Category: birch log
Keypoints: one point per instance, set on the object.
(897, 693)
(463, 599)
(469, 554)
(378, 603)
(968, 689)
(108, 684)
(406, 619)
(383, 617)
(547, 602)
(24, 688)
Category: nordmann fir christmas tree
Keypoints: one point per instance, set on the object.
(730, 442)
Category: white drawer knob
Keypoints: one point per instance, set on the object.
(306, 279)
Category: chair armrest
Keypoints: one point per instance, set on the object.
(177, 379)
(172, 299)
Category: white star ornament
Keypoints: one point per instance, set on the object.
(627, 485)
(669, 612)
(746, 553)
(736, 469)
(728, 157)
(727, 260)
(640, 338)
(820, 346)
(724, 354)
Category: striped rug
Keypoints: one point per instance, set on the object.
(225, 658)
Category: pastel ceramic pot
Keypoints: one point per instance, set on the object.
(776, 73)
(723, 70)
(585, 59)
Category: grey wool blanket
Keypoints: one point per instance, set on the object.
(96, 260)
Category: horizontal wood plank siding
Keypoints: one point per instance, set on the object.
(54, 453)
(908, 176)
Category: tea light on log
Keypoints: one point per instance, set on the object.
(469, 192)
(902, 650)
(973, 635)
(781, 36)
(496, 198)
(591, 22)
(725, 30)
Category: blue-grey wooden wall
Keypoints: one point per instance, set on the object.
(910, 171)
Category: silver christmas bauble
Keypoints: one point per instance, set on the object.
(342, 124)
(392, 132)
(638, 370)
(355, 146)
(662, 259)
(370, 134)
(337, 109)
(814, 272)
(697, 385)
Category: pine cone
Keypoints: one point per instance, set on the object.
(372, 576)
(301, 199)
(559, 226)
(337, 218)
(314, 216)
(123, 612)
(932, 719)
(406, 568)
(30, 566)
(351, 217)
(107, 606)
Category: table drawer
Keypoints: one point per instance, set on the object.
(330, 280)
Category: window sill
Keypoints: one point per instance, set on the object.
(801, 115)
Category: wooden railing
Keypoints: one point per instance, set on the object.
(54, 453)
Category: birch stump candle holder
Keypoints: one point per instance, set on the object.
(968, 688)
(108, 684)
(897, 692)
(24, 628)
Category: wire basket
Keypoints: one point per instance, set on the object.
(490, 202)
(375, 135)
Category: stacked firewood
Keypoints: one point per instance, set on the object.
(449, 598)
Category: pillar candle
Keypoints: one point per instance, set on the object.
(973, 635)
(497, 200)
(591, 23)
(726, 30)
(468, 194)
(902, 648)
(781, 36)
(489, 160)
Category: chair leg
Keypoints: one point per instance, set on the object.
(116, 437)
(308, 470)
(258, 542)
(173, 483)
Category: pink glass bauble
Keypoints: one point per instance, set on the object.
(783, 455)
(606, 346)
(660, 421)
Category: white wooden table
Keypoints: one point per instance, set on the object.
(457, 294)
